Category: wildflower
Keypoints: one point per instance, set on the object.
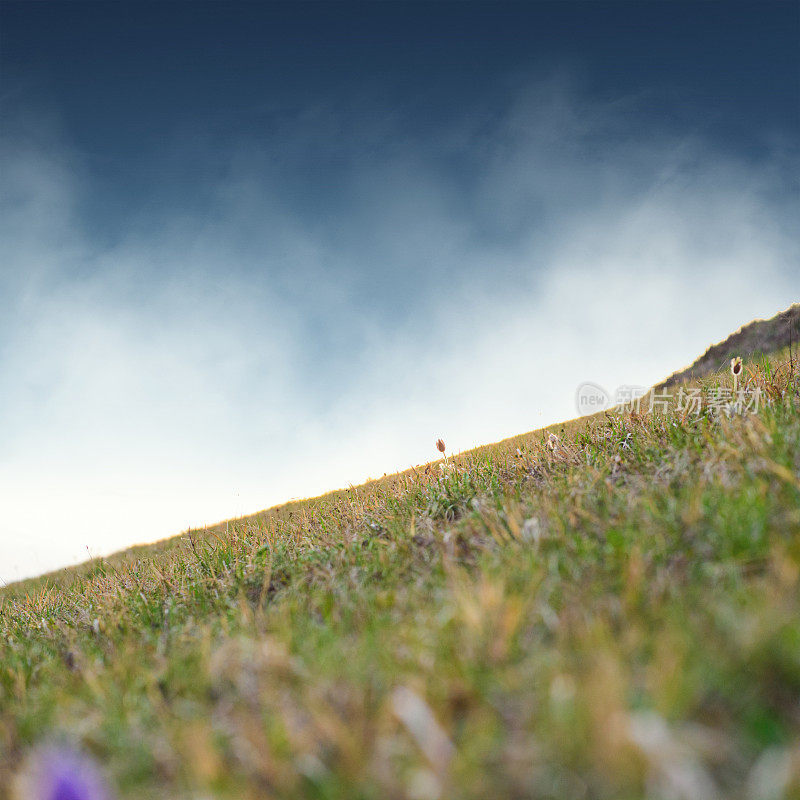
(440, 445)
(736, 370)
(61, 774)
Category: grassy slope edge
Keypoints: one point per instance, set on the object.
(757, 338)
(612, 614)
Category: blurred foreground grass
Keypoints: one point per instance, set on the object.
(609, 612)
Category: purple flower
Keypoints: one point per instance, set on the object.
(62, 774)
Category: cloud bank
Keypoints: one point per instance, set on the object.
(322, 304)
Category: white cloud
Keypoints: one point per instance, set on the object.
(225, 363)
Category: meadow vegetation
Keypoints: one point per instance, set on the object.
(604, 609)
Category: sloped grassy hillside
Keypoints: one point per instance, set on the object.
(609, 612)
(754, 339)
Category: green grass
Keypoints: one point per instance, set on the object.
(617, 616)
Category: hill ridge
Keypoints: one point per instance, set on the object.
(761, 336)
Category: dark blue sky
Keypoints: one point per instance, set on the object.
(126, 73)
(145, 91)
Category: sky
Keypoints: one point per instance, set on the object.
(257, 251)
